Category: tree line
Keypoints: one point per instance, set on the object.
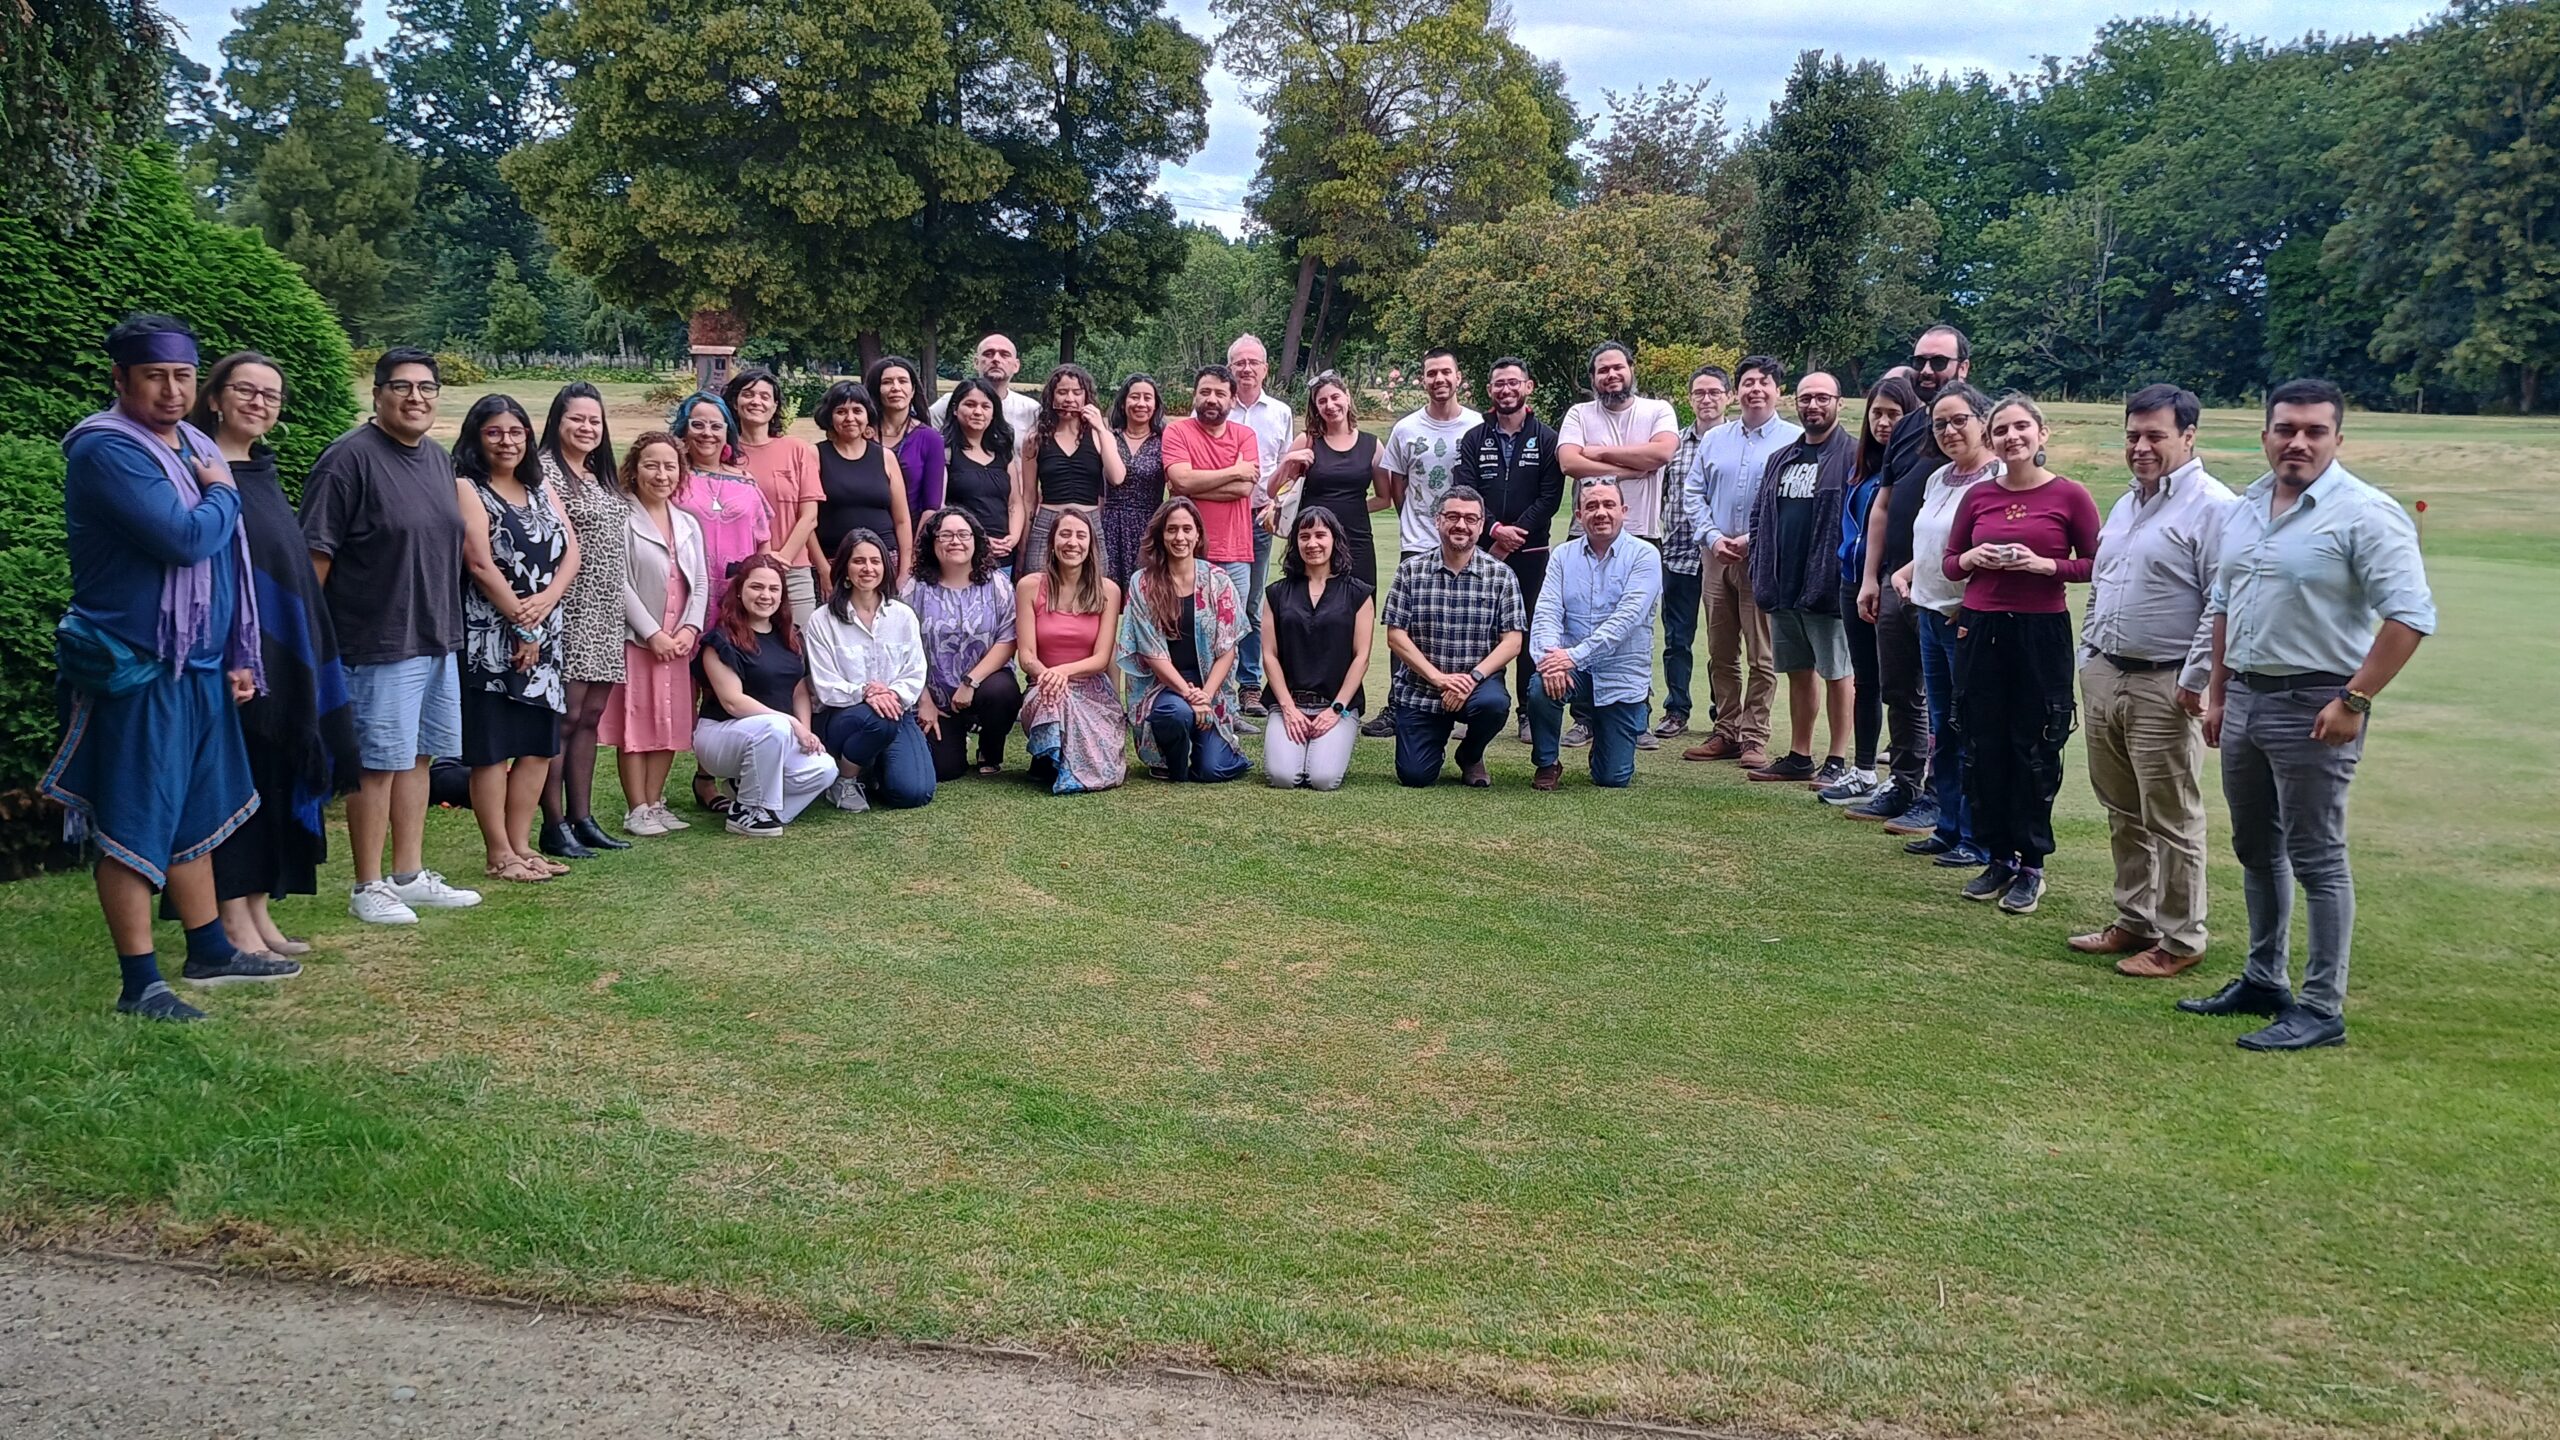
(2177, 202)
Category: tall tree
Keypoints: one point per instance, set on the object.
(1822, 162)
(2453, 225)
(1389, 121)
(301, 154)
(77, 78)
(466, 88)
(758, 158)
(1666, 140)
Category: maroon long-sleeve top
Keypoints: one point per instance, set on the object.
(2056, 520)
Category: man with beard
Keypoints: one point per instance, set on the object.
(1720, 491)
(1215, 464)
(1622, 436)
(1941, 356)
(1795, 581)
(998, 362)
(1511, 459)
(1417, 465)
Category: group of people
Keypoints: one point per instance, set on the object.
(874, 614)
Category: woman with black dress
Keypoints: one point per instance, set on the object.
(1137, 421)
(1316, 628)
(864, 489)
(1072, 459)
(979, 445)
(519, 556)
(302, 731)
(1331, 466)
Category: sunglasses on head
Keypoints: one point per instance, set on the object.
(1933, 362)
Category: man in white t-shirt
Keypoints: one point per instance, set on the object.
(1417, 465)
(1268, 417)
(1622, 436)
(999, 362)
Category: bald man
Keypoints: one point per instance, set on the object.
(999, 362)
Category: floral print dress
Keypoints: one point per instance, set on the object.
(1216, 626)
(528, 544)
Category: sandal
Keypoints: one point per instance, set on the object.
(717, 802)
(521, 871)
(545, 864)
(989, 767)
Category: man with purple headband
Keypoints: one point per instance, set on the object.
(160, 642)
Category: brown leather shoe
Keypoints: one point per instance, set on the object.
(2157, 964)
(1717, 747)
(2113, 940)
(1476, 776)
(1547, 778)
(1754, 758)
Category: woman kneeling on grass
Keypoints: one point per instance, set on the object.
(664, 596)
(755, 727)
(1178, 654)
(967, 616)
(1315, 649)
(1066, 619)
(866, 668)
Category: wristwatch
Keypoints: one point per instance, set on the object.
(1341, 709)
(2357, 701)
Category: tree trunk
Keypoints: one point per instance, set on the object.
(1324, 316)
(2528, 389)
(1068, 333)
(1297, 320)
(929, 356)
(868, 348)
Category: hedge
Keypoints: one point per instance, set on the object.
(144, 248)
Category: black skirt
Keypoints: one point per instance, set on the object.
(497, 729)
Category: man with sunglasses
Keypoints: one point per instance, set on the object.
(386, 542)
(1941, 356)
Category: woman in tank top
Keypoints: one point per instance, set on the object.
(863, 487)
(1331, 465)
(1071, 459)
(978, 445)
(1066, 618)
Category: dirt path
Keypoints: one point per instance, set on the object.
(99, 1348)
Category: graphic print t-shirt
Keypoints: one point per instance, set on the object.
(1799, 473)
(1425, 452)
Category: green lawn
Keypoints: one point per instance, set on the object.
(1690, 1101)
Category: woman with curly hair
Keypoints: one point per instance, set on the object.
(966, 614)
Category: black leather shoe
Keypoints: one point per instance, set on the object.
(1929, 845)
(591, 835)
(2240, 997)
(2297, 1029)
(558, 843)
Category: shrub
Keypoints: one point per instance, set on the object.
(452, 367)
(1663, 370)
(144, 249)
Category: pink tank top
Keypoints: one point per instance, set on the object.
(1064, 639)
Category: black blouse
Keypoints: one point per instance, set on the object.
(770, 677)
(1317, 638)
(984, 489)
(1071, 479)
(857, 498)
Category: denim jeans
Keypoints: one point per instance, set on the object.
(1246, 576)
(1946, 760)
(1192, 751)
(1422, 732)
(1682, 596)
(1614, 728)
(897, 764)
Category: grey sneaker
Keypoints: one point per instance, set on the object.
(242, 968)
(1647, 740)
(1524, 736)
(1380, 726)
(1673, 726)
(2024, 891)
(1578, 736)
(1992, 883)
(846, 794)
(1831, 773)
(159, 1003)
(1891, 799)
(1853, 786)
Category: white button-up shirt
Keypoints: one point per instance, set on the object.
(2156, 562)
(1272, 426)
(845, 655)
(1725, 478)
(2305, 590)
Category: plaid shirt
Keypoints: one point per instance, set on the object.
(1679, 536)
(1454, 617)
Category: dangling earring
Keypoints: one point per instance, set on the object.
(2039, 455)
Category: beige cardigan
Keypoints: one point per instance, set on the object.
(645, 579)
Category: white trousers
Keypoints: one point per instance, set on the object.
(1319, 764)
(760, 755)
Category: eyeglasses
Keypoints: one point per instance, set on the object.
(1933, 362)
(496, 434)
(256, 392)
(423, 389)
(1951, 423)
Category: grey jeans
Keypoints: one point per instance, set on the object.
(2288, 798)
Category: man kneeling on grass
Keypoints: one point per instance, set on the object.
(1592, 639)
(1795, 527)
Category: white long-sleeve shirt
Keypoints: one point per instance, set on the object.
(2154, 574)
(845, 656)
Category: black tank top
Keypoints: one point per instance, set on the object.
(857, 497)
(984, 489)
(1071, 479)
(1339, 480)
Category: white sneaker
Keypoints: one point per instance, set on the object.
(668, 821)
(430, 892)
(642, 820)
(379, 904)
(846, 794)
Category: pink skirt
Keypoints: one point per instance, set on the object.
(654, 708)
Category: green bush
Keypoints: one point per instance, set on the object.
(1663, 371)
(145, 249)
(452, 368)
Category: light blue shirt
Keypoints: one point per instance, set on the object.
(1724, 479)
(1599, 610)
(2305, 590)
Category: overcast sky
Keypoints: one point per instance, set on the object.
(1743, 48)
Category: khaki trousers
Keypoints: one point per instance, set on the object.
(2144, 757)
(1739, 674)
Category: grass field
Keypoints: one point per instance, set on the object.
(1690, 1101)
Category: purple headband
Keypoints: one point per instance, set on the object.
(154, 347)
